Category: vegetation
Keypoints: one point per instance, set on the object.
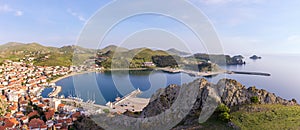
(223, 113)
(220, 59)
(254, 99)
(106, 111)
(267, 117)
(44, 56)
(3, 107)
(166, 61)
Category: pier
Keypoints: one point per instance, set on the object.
(249, 73)
(191, 72)
(55, 92)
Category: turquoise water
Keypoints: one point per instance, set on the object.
(104, 87)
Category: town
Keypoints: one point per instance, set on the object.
(21, 104)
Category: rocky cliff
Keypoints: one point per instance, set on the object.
(227, 91)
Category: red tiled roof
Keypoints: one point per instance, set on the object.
(61, 105)
(49, 114)
(2, 127)
(41, 105)
(36, 123)
(32, 113)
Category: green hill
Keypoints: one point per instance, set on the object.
(43, 55)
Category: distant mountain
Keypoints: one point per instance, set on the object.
(14, 46)
(174, 51)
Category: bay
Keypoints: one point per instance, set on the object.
(104, 87)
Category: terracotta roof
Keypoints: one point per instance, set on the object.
(32, 113)
(46, 100)
(24, 118)
(13, 108)
(41, 105)
(24, 102)
(36, 123)
(19, 113)
(49, 114)
(2, 127)
(7, 115)
(61, 105)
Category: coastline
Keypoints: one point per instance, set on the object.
(58, 89)
(69, 75)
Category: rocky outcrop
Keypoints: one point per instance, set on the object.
(236, 94)
(85, 123)
(227, 91)
(186, 106)
(161, 100)
(255, 57)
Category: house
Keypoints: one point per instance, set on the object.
(37, 124)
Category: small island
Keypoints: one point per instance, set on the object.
(255, 57)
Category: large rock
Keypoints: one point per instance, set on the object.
(227, 91)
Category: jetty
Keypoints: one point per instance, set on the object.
(56, 90)
(249, 73)
(191, 72)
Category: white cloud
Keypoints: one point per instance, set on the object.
(78, 16)
(7, 9)
(18, 13)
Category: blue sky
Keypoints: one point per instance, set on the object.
(243, 26)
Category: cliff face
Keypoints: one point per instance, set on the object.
(227, 91)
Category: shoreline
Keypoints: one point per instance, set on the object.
(69, 75)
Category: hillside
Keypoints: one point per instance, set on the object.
(43, 55)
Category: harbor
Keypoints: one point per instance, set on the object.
(56, 90)
(127, 103)
(130, 102)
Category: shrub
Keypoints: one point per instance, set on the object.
(224, 116)
(105, 110)
(223, 113)
(222, 108)
(254, 99)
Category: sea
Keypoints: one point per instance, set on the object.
(106, 86)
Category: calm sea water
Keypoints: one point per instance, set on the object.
(104, 87)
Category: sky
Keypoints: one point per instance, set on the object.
(243, 26)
